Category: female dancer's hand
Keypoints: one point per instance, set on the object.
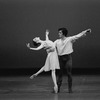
(28, 45)
(47, 32)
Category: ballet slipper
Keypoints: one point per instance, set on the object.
(56, 89)
(33, 76)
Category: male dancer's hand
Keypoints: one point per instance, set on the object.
(88, 30)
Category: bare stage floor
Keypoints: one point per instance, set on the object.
(85, 87)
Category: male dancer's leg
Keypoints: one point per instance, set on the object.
(69, 73)
(60, 73)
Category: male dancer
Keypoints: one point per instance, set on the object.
(64, 47)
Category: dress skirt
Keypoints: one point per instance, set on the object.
(52, 61)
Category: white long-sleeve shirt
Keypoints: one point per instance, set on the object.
(66, 46)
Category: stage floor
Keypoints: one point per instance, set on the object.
(85, 87)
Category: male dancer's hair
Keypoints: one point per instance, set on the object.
(64, 31)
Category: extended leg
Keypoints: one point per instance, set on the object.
(37, 73)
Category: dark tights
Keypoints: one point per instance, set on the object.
(65, 64)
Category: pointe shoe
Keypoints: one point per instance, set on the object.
(56, 89)
(33, 76)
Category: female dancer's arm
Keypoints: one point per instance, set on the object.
(47, 33)
(38, 48)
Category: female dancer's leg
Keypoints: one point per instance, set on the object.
(37, 73)
(54, 81)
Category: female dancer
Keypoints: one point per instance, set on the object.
(52, 62)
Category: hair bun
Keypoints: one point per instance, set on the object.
(35, 44)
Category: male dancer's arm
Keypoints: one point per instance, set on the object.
(83, 33)
(38, 48)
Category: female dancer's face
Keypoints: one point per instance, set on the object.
(37, 39)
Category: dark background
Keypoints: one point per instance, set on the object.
(22, 20)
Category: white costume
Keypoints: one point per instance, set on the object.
(52, 62)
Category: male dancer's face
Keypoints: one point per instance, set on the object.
(60, 34)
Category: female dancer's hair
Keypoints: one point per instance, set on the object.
(35, 43)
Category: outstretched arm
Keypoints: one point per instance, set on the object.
(83, 33)
(47, 33)
(38, 48)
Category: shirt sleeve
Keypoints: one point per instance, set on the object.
(73, 38)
